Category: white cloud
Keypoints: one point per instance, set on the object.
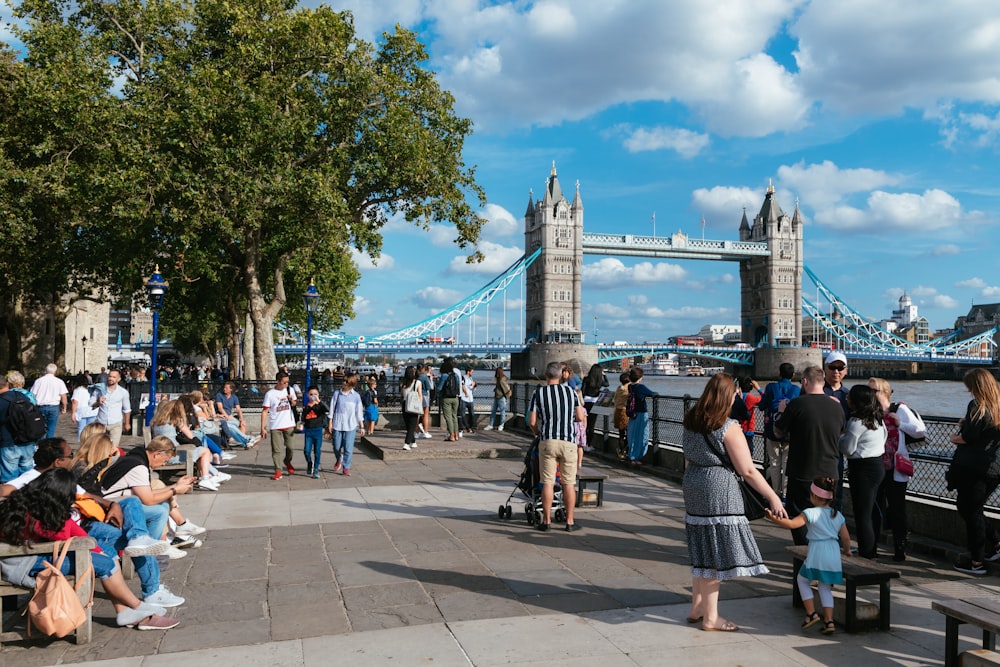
(945, 250)
(991, 292)
(500, 223)
(610, 273)
(685, 142)
(436, 297)
(362, 305)
(974, 283)
(944, 301)
(365, 263)
(637, 299)
(496, 258)
(886, 212)
(723, 206)
(822, 185)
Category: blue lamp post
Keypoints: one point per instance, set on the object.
(156, 288)
(311, 299)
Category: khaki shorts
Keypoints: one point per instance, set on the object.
(551, 452)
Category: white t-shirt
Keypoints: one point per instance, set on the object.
(48, 390)
(279, 410)
(137, 476)
(83, 404)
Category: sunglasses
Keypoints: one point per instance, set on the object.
(839, 369)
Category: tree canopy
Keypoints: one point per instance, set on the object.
(245, 147)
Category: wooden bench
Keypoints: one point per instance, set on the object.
(80, 553)
(586, 476)
(981, 612)
(857, 572)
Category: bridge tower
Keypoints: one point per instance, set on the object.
(771, 292)
(552, 282)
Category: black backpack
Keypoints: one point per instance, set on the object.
(450, 388)
(24, 420)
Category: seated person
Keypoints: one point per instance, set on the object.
(227, 407)
(170, 420)
(40, 511)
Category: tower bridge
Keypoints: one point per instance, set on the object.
(769, 253)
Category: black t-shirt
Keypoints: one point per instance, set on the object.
(813, 423)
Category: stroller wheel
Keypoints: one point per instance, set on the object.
(501, 512)
(538, 517)
(508, 512)
(560, 515)
(531, 518)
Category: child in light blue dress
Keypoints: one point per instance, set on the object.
(828, 539)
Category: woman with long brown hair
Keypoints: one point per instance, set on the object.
(721, 545)
(969, 470)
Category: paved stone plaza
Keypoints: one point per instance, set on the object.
(405, 563)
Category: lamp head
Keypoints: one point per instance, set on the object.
(156, 289)
(311, 298)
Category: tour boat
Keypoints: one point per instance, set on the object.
(695, 371)
(662, 364)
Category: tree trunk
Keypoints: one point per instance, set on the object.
(263, 339)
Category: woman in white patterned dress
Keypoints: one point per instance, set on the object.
(721, 545)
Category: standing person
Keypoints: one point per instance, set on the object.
(346, 415)
(621, 416)
(750, 393)
(449, 388)
(468, 404)
(775, 447)
(276, 417)
(968, 473)
(813, 423)
(411, 396)
(638, 417)
(424, 423)
(15, 457)
(501, 392)
(369, 403)
(901, 424)
(863, 443)
(50, 394)
(827, 530)
(114, 408)
(593, 384)
(553, 409)
(721, 545)
(82, 411)
(314, 418)
(834, 372)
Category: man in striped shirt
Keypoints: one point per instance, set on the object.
(553, 409)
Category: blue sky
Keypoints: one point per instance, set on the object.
(880, 118)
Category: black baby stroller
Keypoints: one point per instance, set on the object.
(530, 485)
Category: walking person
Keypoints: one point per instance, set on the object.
(314, 418)
(50, 393)
(81, 409)
(863, 443)
(449, 388)
(827, 530)
(501, 392)
(721, 545)
(114, 408)
(411, 395)
(902, 424)
(276, 418)
(426, 384)
(346, 416)
(969, 470)
(468, 405)
(553, 409)
(638, 417)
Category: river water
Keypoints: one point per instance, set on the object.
(938, 398)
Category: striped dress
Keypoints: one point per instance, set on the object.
(720, 543)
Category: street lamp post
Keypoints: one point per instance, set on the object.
(156, 288)
(595, 329)
(83, 341)
(311, 298)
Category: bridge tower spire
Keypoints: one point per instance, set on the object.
(553, 282)
(771, 292)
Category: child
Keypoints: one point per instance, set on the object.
(314, 417)
(822, 564)
(369, 401)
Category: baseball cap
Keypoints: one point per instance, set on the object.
(834, 357)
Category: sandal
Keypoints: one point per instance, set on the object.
(811, 620)
(727, 626)
(829, 628)
(693, 620)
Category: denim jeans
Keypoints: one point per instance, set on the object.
(314, 447)
(16, 460)
(156, 519)
(499, 404)
(104, 565)
(51, 414)
(231, 429)
(111, 540)
(81, 424)
(343, 447)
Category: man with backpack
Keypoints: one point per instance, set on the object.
(21, 424)
(775, 446)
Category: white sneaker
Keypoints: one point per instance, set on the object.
(188, 528)
(428, 435)
(221, 477)
(413, 445)
(173, 553)
(460, 435)
(252, 442)
(164, 598)
(406, 447)
(145, 545)
(208, 484)
(488, 427)
(500, 427)
(228, 456)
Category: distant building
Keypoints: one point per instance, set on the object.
(908, 324)
(716, 333)
(980, 318)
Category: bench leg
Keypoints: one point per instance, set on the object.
(851, 612)
(989, 641)
(884, 602)
(82, 563)
(600, 492)
(951, 641)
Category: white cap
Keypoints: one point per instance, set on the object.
(835, 356)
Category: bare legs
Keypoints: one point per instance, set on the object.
(705, 604)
